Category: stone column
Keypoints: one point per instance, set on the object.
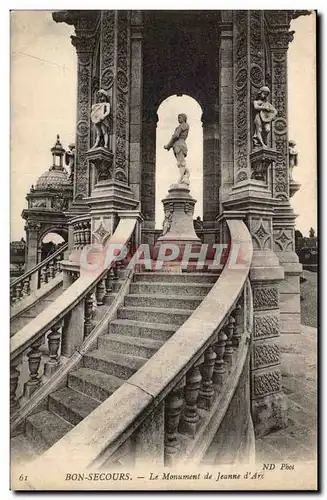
(32, 237)
(252, 197)
(226, 110)
(211, 168)
(284, 217)
(135, 146)
(111, 191)
(148, 189)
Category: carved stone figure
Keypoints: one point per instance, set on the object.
(311, 232)
(177, 142)
(100, 117)
(167, 221)
(70, 161)
(265, 113)
(292, 155)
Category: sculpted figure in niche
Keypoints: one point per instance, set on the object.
(100, 117)
(265, 113)
(70, 161)
(292, 157)
(166, 225)
(177, 142)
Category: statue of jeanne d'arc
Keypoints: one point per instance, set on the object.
(178, 143)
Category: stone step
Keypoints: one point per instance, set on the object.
(176, 277)
(155, 331)
(179, 302)
(22, 450)
(193, 289)
(97, 385)
(154, 314)
(71, 405)
(45, 428)
(121, 366)
(123, 344)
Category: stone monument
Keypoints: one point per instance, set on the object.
(179, 205)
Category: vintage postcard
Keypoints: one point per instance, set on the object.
(164, 250)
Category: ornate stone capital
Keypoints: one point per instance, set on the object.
(280, 38)
(83, 44)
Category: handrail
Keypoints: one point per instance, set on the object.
(99, 435)
(56, 311)
(43, 262)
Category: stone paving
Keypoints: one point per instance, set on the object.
(299, 371)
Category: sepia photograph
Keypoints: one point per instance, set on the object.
(163, 250)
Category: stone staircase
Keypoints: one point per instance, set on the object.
(158, 303)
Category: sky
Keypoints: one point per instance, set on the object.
(43, 104)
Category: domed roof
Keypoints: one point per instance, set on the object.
(53, 179)
(56, 178)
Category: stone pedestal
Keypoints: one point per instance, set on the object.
(178, 226)
(109, 195)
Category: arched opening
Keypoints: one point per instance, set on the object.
(50, 243)
(166, 169)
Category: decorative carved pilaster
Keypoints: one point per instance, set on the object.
(122, 97)
(249, 64)
(84, 48)
(241, 94)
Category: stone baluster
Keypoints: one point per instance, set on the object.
(88, 325)
(56, 266)
(14, 378)
(173, 408)
(19, 291)
(43, 275)
(191, 417)
(219, 370)
(83, 235)
(88, 233)
(26, 287)
(100, 292)
(207, 391)
(12, 296)
(238, 330)
(74, 236)
(229, 351)
(34, 360)
(108, 285)
(51, 271)
(78, 235)
(54, 338)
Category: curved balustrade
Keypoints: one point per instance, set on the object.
(182, 393)
(35, 278)
(65, 323)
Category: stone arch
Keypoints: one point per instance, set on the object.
(166, 171)
(180, 58)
